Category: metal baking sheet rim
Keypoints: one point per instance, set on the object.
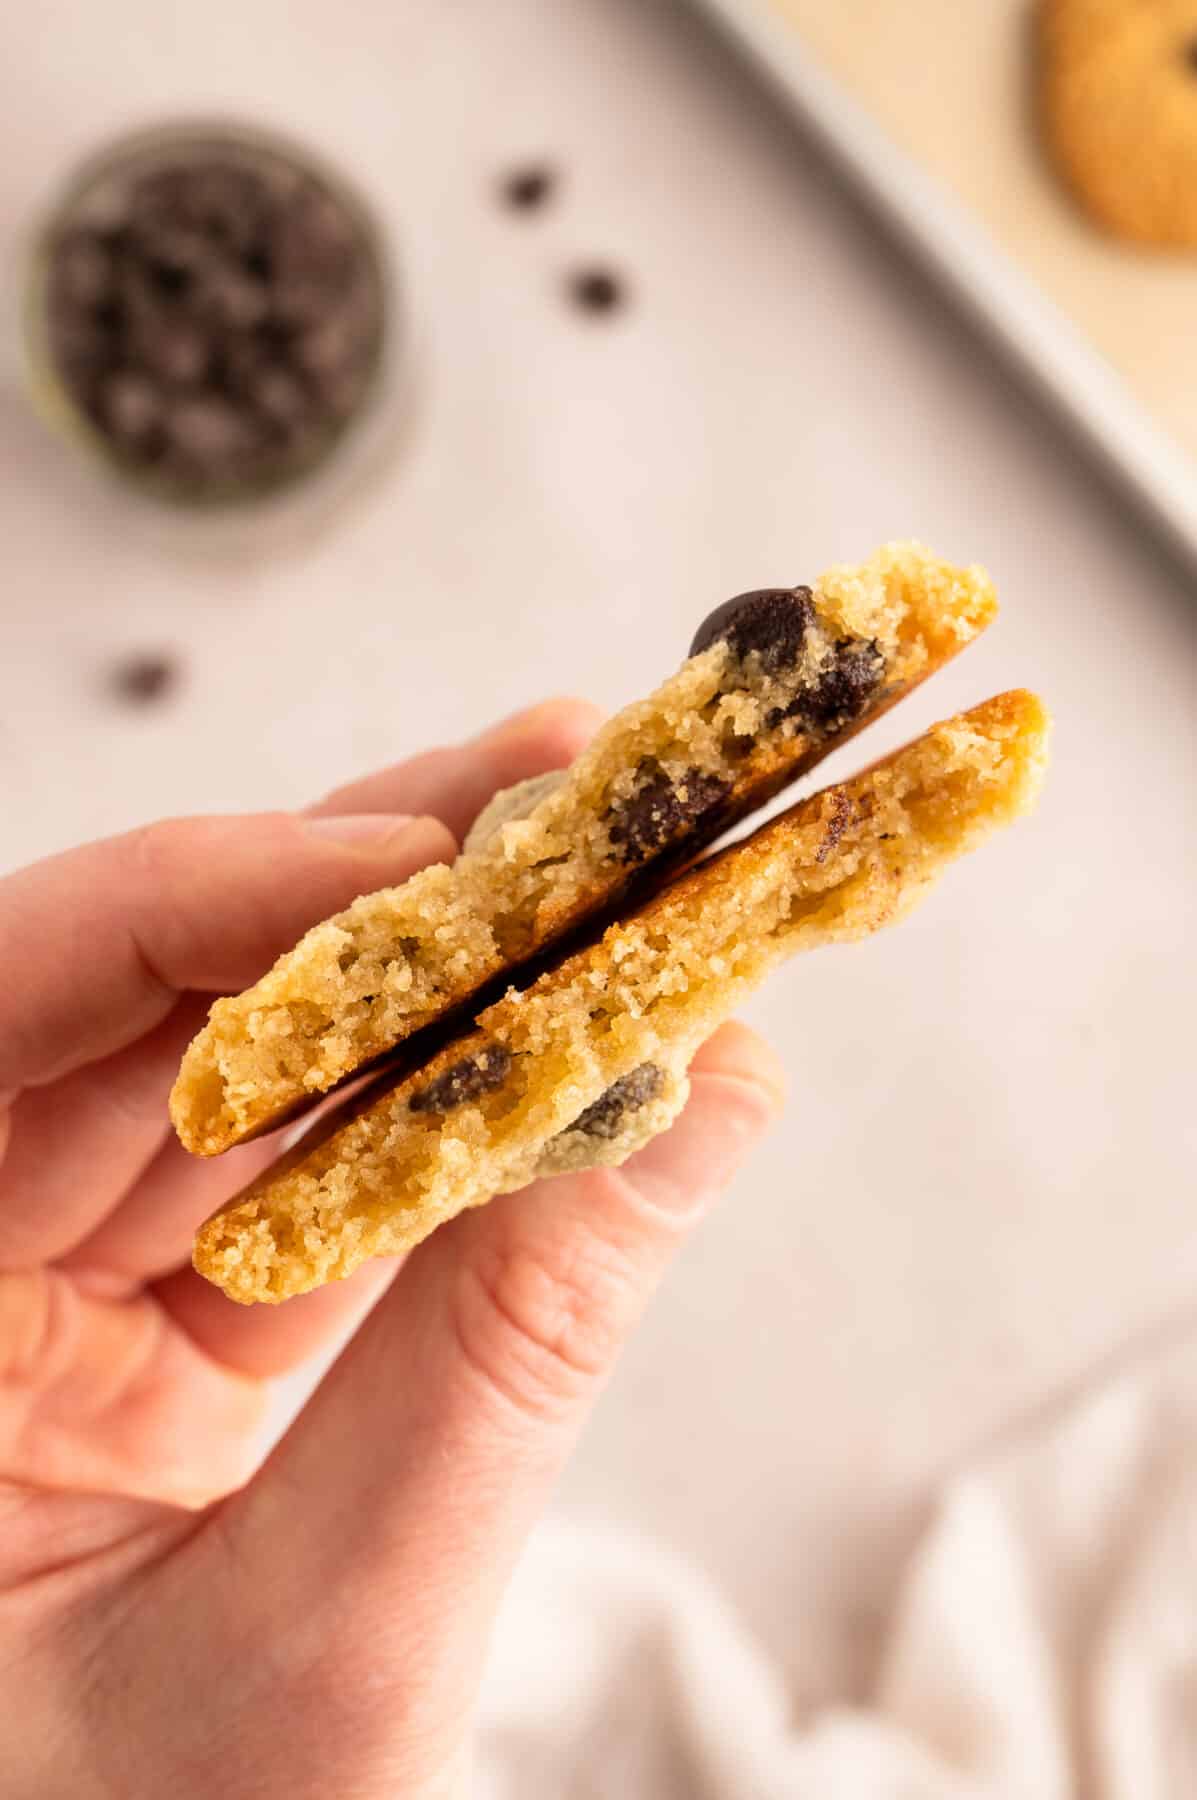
(1015, 312)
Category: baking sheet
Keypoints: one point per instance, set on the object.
(930, 104)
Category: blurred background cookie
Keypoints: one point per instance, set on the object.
(1118, 87)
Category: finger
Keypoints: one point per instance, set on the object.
(96, 944)
(200, 902)
(442, 1426)
(150, 1234)
(75, 1145)
(265, 1341)
(454, 785)
(106, 1397)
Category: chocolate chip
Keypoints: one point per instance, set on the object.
(628, 1094)
(596, 290)
(840, 693)
(844, 687)
(837, 824)
(661, 809)
(1190, 54)
(771, 623)
(132, 405)
(169, 277)
(140, 680)
(524, 190)
(84, 272)
(466, 1080)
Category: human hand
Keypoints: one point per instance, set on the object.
(170, 1620)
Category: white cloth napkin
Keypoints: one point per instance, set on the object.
(1044, 1644)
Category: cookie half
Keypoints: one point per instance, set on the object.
(589, 1061)
(769, 690)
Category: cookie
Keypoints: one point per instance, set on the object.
(1118, 93)
(771, 687)
(589, 1061)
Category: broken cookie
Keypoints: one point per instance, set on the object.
(589, 1060)
(776, 680)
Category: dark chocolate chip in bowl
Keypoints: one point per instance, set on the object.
(140, 680)
(772, 622)
(628, 1094)
(526, 189)
(466, 1080)
(235, 285)
(596, 290)
(661, 809)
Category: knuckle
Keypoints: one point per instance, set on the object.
(541, 1323)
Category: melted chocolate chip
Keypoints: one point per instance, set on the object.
(466, 1080)
(837, 824)
(661, 809)
(843, 689)
(772, 622)
(630, 1092)
(841, 692)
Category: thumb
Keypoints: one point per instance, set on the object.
(412, 1477)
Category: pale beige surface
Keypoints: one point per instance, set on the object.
(952, 82)
(984, 1190)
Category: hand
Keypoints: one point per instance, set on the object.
(170, 1621)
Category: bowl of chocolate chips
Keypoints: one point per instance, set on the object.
(209, 312)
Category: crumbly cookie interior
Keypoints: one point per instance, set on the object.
(676, 767)
(838, 866)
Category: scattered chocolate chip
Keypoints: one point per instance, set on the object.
(772, 622)
(596, 290)
(630, 1092)
(524, 190)
(661, 810)
(140, 680)
(220, 322)
(837, 824)
(466, 1080)
(1190, 54)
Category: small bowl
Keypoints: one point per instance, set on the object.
(244, 253)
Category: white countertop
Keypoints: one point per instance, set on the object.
(984, 1186)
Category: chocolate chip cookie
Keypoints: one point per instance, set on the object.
(1118, 90)
(775, 681)
(590, 1060)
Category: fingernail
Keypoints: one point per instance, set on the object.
(685, 1169)
(362, 830)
